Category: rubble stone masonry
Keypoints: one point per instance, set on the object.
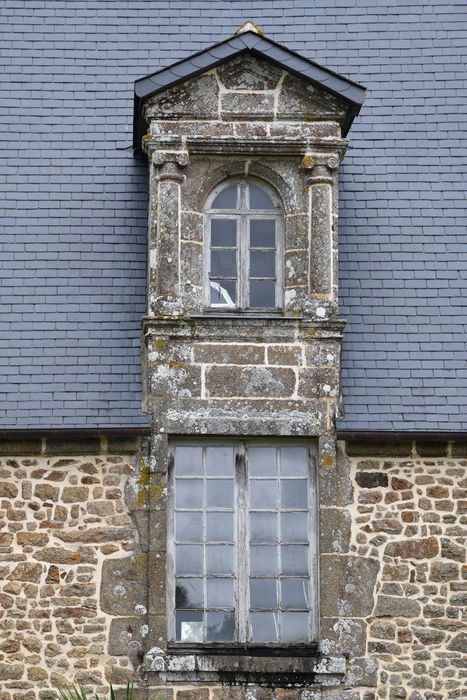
(72, 593)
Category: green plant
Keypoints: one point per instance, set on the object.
(78, 693)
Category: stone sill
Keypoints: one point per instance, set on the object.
(239, 669)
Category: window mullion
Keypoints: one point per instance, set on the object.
(242, 546)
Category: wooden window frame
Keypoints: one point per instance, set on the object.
(241, 554)
(243, 216)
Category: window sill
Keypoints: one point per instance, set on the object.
(268, 667)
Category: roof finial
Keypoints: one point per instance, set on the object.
(249, 27)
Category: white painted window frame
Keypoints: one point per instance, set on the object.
(243, 216)
(241, 533)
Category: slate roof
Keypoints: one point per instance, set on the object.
(256, 45)
(74, 200)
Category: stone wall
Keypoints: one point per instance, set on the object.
(62, 515)
(410, 512)
(74, 576)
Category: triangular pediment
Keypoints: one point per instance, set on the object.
(246, 77)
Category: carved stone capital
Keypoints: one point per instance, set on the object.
(320, 167)
(168, 164)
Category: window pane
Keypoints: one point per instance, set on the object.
(294, 493)
(223, 293)
(294, 527)
(294, 461)
(189, 527)
(295, 627)
(263, 560)
(263, 593)
(188, 559)
(224, 232)
(259, 199)
(188, 461)
(263, 293)
(219, 461)
(189, 626)
(262, 263)
(223, 263)
(294, 559)
(262, 461)
(264, 627)
(262, 233)
(263, 527)
(189, 593)
(220, 626)
(263, 494)
(219, 559)
(220, 593)
(227, 199)
(294, 593)
(219, 493)
(188, 493)
(219, 527)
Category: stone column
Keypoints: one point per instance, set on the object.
(164, 231)
(321, 182)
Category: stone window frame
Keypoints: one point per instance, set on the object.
(244, 215)
(244, 647)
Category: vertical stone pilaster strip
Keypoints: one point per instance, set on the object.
(164, 227)
(321, 264)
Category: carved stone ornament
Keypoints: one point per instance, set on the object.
(168, 164)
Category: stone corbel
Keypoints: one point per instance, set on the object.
(168, 165)
(321, 167)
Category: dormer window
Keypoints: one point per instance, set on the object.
(243, 244)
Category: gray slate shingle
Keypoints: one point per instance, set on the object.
(73, 232)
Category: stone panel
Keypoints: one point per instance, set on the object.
(267, 382)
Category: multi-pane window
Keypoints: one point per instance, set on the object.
(243, 537)
(243, 248)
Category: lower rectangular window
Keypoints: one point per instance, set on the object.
(242, 539)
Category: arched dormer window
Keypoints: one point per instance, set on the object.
(243, 247)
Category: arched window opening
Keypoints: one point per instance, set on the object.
(243, 248)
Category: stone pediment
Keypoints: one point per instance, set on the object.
(246, 78)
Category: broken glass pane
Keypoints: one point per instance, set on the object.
(223, 293)
(189, 626)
